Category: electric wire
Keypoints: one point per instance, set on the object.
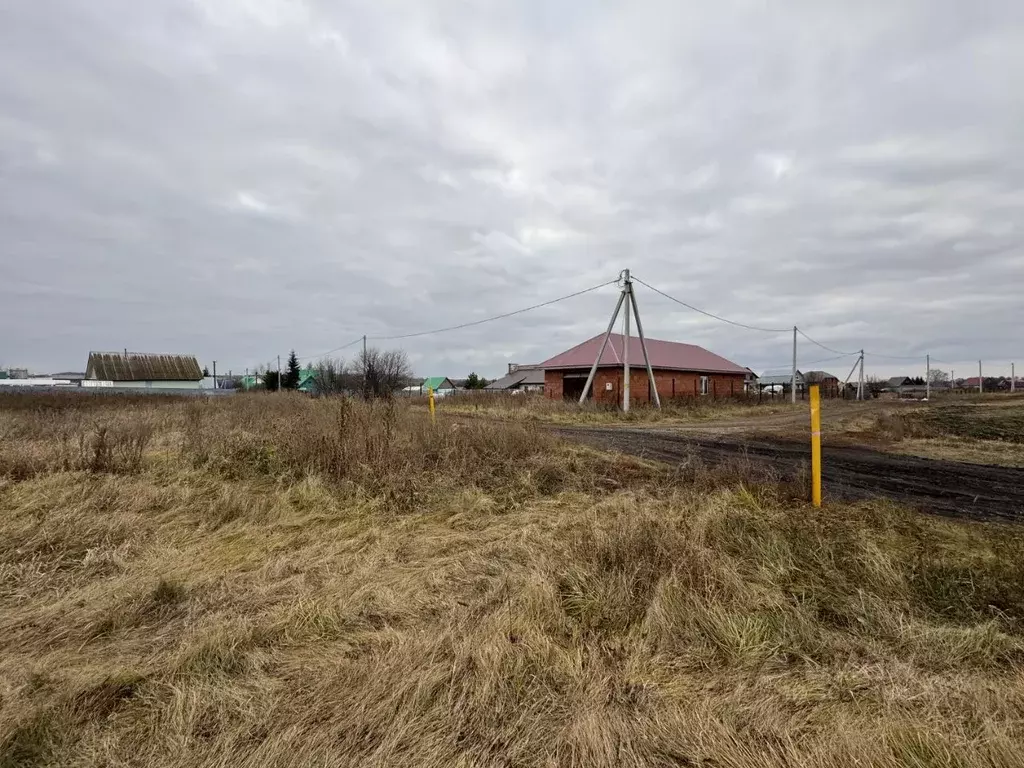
(710, 314)
(826, 348)
(491, 319)
(331, 351)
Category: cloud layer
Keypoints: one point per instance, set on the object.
(235, 179)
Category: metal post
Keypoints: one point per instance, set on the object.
(365, 363)
(643, 346)
(278, 373)
(927, 377)
(604, 343)
(981, 381)
(214, 374)
(860, 381)
(1013, 372)
(815, 446)
(792, 383)
(625, 351)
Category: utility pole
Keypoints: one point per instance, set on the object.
(643, 346)
(981, 381)
(278, 373)
(627, 297)
(625, 353)
(792, 382)
(365, 362)
(604, 344)
(927, 377)
(860, 381)
(1013, 374)
(214, 374)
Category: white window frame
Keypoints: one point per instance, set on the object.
(704, 385)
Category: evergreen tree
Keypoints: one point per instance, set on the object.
(292, 375)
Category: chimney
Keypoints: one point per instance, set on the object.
(513, 367)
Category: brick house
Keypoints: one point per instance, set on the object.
(680, 370)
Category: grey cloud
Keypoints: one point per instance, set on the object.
(237, 179)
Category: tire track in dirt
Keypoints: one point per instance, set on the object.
(948, 488)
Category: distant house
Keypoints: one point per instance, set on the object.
(896, 383)
(73, 378)
(750, 381)
(782, 381)
(906, 386)
(141, 370)
(520, 378)
(441, 385)
(828, 385)
(680, 370)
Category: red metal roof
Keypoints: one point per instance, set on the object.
(670, 355)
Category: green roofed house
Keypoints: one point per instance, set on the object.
(441, 385)
(307, 380)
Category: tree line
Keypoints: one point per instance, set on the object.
(371, 373)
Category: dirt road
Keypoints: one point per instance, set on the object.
(942, 487)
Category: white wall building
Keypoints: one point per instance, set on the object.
(142, 370)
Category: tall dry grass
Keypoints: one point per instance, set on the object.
(284, 582)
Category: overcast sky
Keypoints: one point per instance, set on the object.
(236, 178)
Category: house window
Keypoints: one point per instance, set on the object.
(703, 385)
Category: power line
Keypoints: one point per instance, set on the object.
(805, 363)
(711, 314)
(829, 359)
(868, 353)
(330, 351)
(827, 349)
(491, 319)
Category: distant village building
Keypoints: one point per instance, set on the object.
(828, 384)
(520, 378)
(781, 381)
(680, 370)
(442, 386)
(141, 370)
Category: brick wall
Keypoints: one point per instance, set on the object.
(671, 384)
(553, 385)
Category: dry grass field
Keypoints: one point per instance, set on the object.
(275, 581)
(987, 430)
(537, 408)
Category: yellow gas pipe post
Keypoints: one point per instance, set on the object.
(430, 399)
(815, 446)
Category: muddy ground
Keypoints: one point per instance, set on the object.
(941, 487)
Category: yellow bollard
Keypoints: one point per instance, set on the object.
(430, 399)
(815, 446)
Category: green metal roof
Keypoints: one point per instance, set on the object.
(307, 379)
(437, 382)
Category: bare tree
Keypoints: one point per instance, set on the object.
(874, 386)
(334, 377)
(935, 376)
(382, 372)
